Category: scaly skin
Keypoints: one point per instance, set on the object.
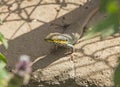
(60, 39)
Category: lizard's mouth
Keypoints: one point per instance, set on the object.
(56, 41)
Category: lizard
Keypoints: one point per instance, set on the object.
(70, 40)
(63, 40)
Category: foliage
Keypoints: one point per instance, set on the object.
(21, 73)
(17, 78)
(111, 24)
(117, 75)
(3, 72)
(108, 26)
(8, 79)
(4, 76)
(3, 40)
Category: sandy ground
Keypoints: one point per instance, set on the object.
(27, 22)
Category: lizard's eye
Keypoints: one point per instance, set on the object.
(66, 40)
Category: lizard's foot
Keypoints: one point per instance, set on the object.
(69, 51)
(54, 49)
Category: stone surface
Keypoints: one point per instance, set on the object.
(27, 22)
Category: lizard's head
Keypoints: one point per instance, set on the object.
(75, 36)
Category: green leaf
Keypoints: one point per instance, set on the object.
(16, 81)
(109, 6)
(3, 58)
(4, 76)
(105, 27)
(2, 65)
(112, 7)
(116, 76)
(3, 40)
(103, 5)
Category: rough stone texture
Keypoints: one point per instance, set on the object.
(27, 22)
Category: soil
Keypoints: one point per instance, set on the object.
(27, 22)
